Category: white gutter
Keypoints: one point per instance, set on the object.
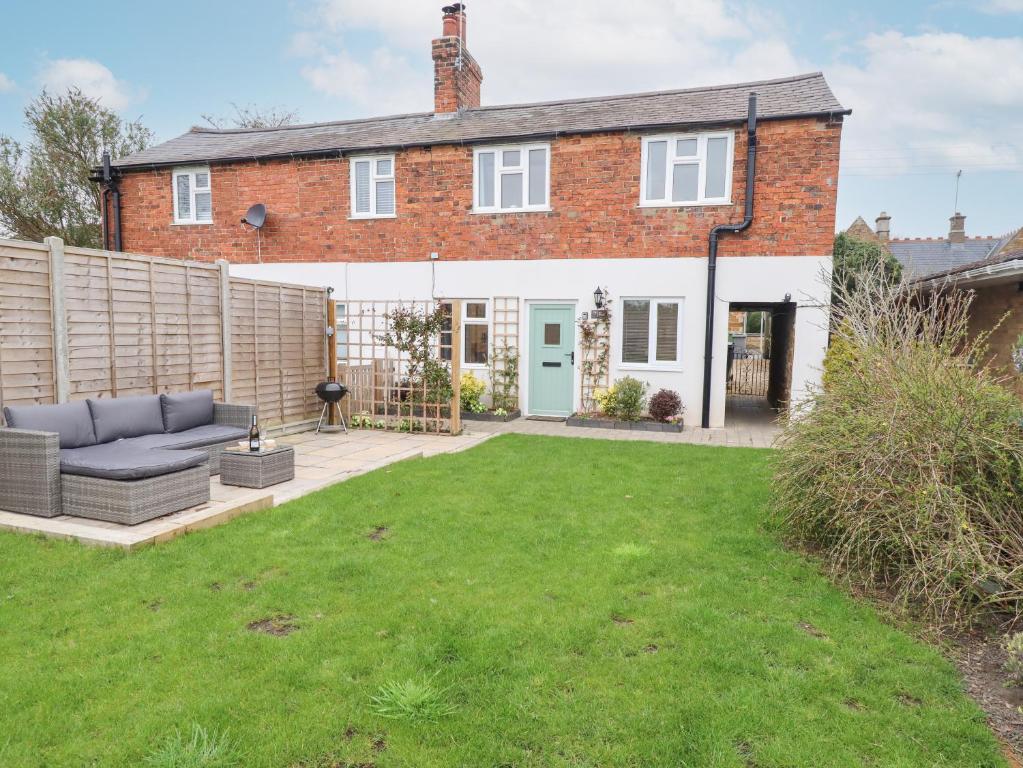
(987, 273)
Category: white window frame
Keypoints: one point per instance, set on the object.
(700, 158)
(374, 177)
(500, 170)
(653, 364)
(191, 171)
(466, 320)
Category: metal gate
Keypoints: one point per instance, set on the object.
(749, 373)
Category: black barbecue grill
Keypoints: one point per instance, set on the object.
(331, 393)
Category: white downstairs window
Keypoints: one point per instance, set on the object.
(193, 199)
(651, 333)
(513, 178)
(687, 169)
(372, 187)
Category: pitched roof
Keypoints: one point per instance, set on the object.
(925, 257)
(799, 96)
(1003, 250)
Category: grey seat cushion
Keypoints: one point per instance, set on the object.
(186, 410)
(198, 437)
(117, 417)
(72, 421)
(119, 461)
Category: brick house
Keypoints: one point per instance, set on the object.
(543, 202)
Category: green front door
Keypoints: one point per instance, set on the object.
(551, 359)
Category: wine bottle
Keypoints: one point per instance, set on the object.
(254, 435)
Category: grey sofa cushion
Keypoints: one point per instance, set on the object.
(185, 410)
(72, 421)
(117, 417)
(198, 437)
(120, 461)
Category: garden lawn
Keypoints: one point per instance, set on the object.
(569, 602)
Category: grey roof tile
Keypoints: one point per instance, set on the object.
(927, 257)
(787, 97)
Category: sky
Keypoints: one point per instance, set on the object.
(935, 87)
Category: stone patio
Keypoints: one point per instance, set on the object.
(329, 458)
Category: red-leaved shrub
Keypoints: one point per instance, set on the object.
(665, 404)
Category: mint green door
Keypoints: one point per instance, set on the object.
(551, 359)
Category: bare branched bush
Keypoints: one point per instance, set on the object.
(907, 468)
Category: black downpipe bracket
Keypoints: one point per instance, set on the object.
(712, 255)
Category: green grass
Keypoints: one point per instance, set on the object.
(532, 602)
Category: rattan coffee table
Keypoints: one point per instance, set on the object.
(257, 469)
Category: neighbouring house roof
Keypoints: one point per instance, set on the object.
(1005, 260)
(924, 257)
(800, 96)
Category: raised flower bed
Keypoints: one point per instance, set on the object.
(495, 415)
(642, 425)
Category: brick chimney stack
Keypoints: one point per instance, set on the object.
(883, 227)
(456, 75)
(957, 228)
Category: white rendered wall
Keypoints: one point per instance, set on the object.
(572, 281)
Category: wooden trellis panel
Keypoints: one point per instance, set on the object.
(377, 375)
(594, 360)
(506, 336)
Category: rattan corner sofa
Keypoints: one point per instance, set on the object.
(124, 460)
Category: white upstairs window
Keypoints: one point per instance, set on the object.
(373, 187)
(687, 169)
(193, 200)
(651, 333)
(512, 178)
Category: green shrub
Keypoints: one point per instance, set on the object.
(1014, 658)
(606, 400)
(472, 390)
(630, 399)
(906, 471)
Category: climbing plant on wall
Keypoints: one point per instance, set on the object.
(595, 354)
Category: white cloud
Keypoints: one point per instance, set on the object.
(929, 102)
(386, 82)
(532, 52)
(1003, 6)
(92, 78)
(6, 84)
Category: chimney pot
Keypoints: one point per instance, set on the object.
(957, 228)
(454, 21)
(883, 227)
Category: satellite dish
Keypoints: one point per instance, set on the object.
(255, 216)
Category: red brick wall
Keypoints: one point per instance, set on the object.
(594, 196)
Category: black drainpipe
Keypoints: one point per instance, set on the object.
(112, 189)
(712, 256)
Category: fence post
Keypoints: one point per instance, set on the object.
(225, 326)
(58, 321)
(456, 367)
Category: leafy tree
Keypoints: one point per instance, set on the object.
(853, 256)
(44, 184)
(254, 117)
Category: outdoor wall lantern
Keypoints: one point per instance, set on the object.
(598, 298)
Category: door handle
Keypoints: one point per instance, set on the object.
(572, 355)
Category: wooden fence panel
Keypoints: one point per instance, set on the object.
(26, 331)
(137, 324)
